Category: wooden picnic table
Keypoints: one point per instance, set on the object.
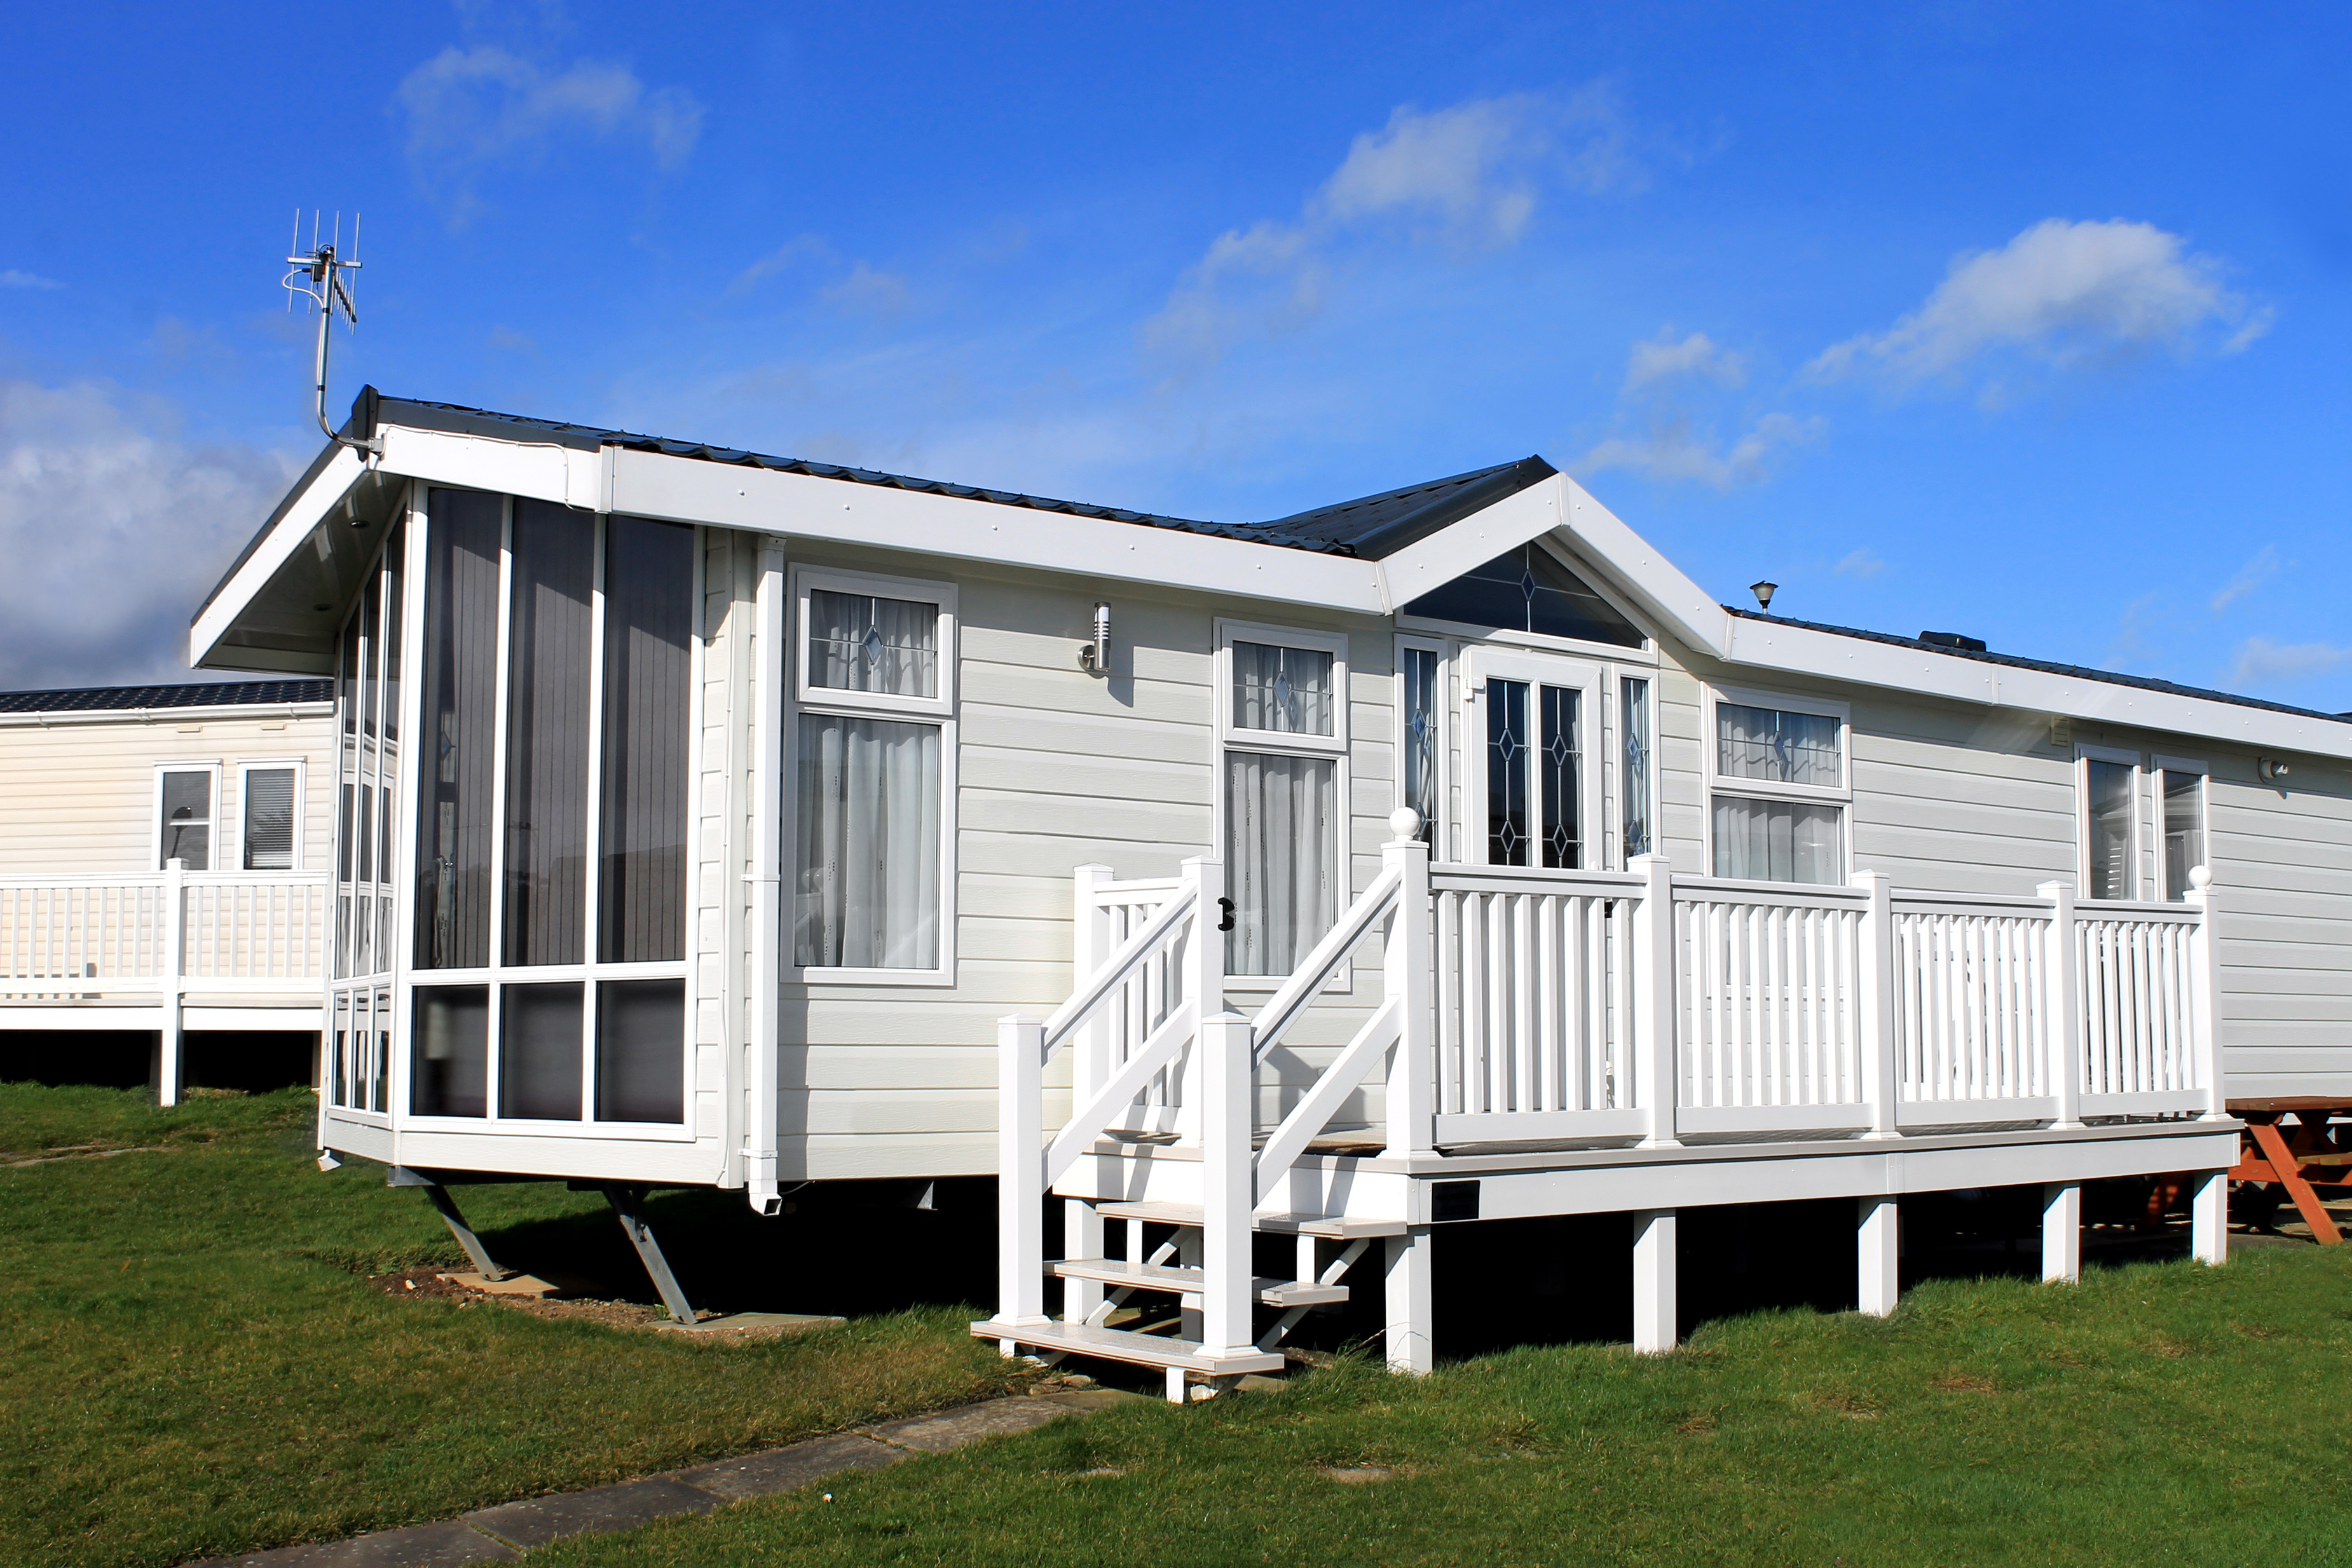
(2291, 1143)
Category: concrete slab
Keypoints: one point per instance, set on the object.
(537, 1521)
(951, 1430)
(779, 1322)
(1086, 1400)
(790, 1468)
(444, 1545)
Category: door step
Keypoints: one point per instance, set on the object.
(1122, 1344)
(1283, 1294)
(1335, 1226)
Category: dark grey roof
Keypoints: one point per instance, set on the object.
(2112, 677)
(218, 694)
(1372, 528)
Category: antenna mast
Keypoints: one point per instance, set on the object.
(320, 278)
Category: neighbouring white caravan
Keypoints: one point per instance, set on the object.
(165, 849)
(1445, 854)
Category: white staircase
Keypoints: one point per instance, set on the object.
(1161, 1140)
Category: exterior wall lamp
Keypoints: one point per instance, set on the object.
(1094, 657)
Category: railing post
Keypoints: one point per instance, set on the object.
(1656, 1033)
(168, 1066)
(1408, 962)
(1874, 1005)
(1021, 1172)
(2062, 971)
(1227, 1196)
(1090, 944)
(2205, 948)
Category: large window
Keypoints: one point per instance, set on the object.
(1528, 589)
(550, 929)
(1778, 788)
(1282, 722)
(874, 750)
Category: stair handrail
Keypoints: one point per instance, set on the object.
(1339, 944)
(1096, 989)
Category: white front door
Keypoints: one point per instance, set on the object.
(1531, 724)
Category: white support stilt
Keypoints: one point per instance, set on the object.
(1877, 1227)
(2062, 1232)
(170, 1067)
(1655, 1323)
(1175, 1385)
(2208, 1218)
(1082, 1236)
(1409, 1345)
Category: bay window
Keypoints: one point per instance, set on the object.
(874, 751)
(1283, 730)
(1778, 788)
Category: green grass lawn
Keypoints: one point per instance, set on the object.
(2162, 1413)
(192, 1363)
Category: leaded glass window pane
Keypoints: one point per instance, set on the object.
(1780, 748)
(1528, 589)
(1508, 740)
(1420, 768)
(1559, 768)
(1635, 708)
(1285, 691)
(859, 642)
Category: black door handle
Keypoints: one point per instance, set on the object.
(1226, 918)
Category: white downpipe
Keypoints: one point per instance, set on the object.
(766, 879)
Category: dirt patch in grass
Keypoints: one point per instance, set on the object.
(1962, 1383)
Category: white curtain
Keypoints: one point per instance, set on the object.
(858, 642)
(1282, 867)
(870, 843)
(1785, 747)
(1776, 840)
(1284, 690)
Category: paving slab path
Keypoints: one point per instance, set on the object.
(505, 1532)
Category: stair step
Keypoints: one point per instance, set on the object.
(1283, 1294)
(1338, 1227)
(1140, 1349)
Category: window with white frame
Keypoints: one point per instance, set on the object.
(186, 801)
(2181, 795)
(2108, 784)
(1778, 787)
(270, 802)
(1421, 734)
(556, 677)
(1282, 715)
(1638, 784)
(874, 757)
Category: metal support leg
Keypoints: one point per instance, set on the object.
(1655, 1326)
(1880, 1280)
(1411, 1344)
(446, 1207)
(2208, 1218)
(628, 1204)
(2062, 1232)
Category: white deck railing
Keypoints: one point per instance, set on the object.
(159, 941)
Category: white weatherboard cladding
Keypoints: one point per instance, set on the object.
(78, 798)
(1057, 768)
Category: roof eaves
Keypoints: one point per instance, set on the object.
(2045, 667)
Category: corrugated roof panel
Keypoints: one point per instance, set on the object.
(220, 693)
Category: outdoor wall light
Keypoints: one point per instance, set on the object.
(1763, 592)
(1094, 657)
(2271, 769)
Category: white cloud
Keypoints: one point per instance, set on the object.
(2261, 662)
(1467, 178)
(475, 109)
(113, 532)
(12, 278)
(1677, 449)
(868, 291)
(2064, 294)
(2251, 576)
(782, 256)
(1865, 563)
(1661, 359)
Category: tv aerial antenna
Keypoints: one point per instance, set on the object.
(322, 277)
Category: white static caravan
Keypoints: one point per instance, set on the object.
(165, 848)
(1437, 856)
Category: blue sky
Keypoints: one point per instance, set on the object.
(2028, 322)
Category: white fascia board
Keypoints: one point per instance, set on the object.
(1641, 570)
(535, 470)
(325, 492)
(800, 505)
(1799, 650)
(216, 713)
(1457, 547)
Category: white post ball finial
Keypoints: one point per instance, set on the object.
(1405, 823)
(2201, 877)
